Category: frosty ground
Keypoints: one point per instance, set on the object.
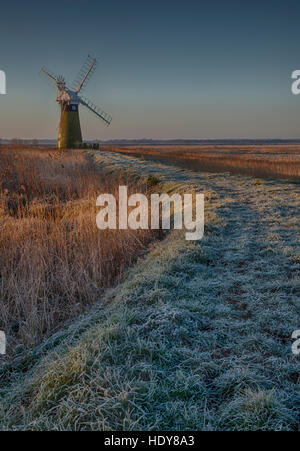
(198, 337)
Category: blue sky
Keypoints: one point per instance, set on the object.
(167, 69)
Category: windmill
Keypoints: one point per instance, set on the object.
(69, 130)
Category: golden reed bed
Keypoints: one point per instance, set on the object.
(54, 261)
(278, 161)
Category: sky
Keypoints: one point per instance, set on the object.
(167, 69)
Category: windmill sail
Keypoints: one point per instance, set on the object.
(96, 110)
(49, 76)
(84, 74)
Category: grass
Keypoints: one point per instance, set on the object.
(54, 262)
(259, 161)
(197, 337)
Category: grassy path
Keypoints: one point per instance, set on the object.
(250, 286)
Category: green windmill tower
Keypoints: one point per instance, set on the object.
(69, 130)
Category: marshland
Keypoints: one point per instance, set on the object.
(135, 330)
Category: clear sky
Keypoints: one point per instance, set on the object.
(168, 69)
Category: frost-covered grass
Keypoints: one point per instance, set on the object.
(198, 337)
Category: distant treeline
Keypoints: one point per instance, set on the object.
(167, 142)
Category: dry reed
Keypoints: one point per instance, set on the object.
(54, 262)
(259, 161)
